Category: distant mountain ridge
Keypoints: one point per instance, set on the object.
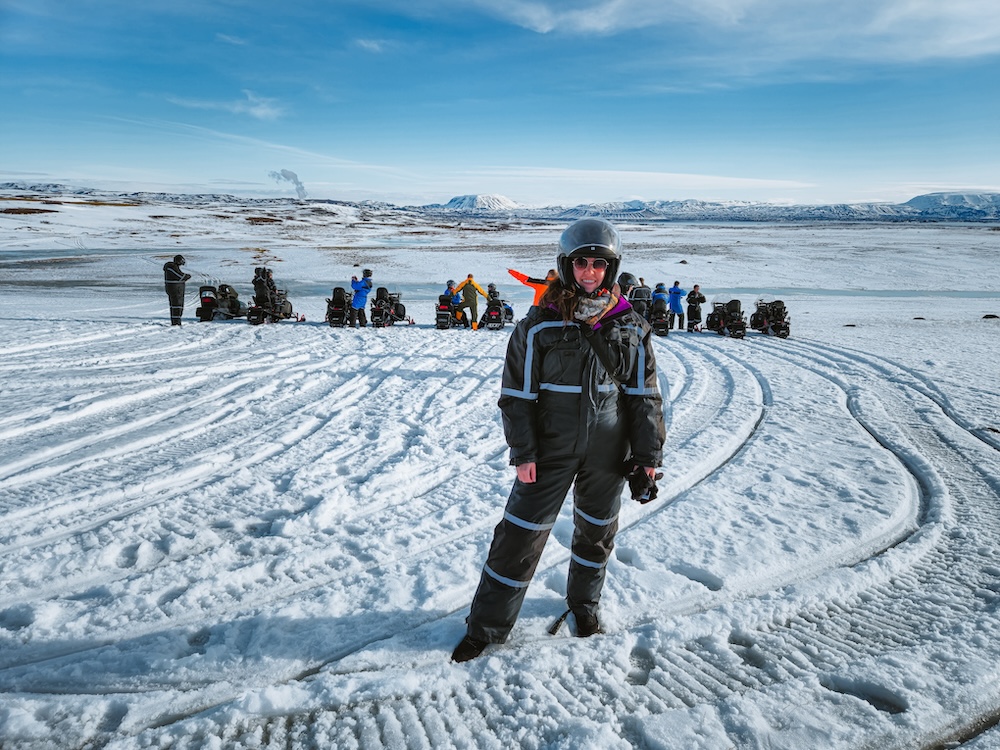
(952, 206)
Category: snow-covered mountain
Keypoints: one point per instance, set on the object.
(929, 207)
(488, 203)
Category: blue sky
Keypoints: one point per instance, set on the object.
(417, 101)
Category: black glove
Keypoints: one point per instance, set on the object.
(642, 486)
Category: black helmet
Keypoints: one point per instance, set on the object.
(450, 282)
(179, 260)
(661, 287)
(627, 280)
(366, 273)
(491, 287)
(589, 238)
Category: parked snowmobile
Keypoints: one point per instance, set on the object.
(271, 304)
(641, 299)
(445, 314)
(771, 318)
(727, 319)
(498, 310)
(659, 317)
(338, 307)
(220, 303)
(387, 309)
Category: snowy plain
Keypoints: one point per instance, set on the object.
(224, 535)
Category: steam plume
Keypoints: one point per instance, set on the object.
(290, 176)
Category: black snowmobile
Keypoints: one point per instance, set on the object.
(338, 307)
(660, 319)
(498, 310)
(727, 319)
(641, 299)
(270, 304)
(771, 317)
(219, 303)
(387, 309)
(445, 314)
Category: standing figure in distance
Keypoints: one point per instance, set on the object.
(570, 421)
(361, 288)
(173, 280)
(695, 299)
(676, 296)
(469, 289)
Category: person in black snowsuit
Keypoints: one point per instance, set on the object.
(173, 281)
(263, 296)
(695, 299)
(569, 422)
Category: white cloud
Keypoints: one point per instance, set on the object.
(259, 107)
(889, 30)
(370, 45)
(661, 180)
(229, 39)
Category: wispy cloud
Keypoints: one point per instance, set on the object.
(259, 107)
(371, 45)
(258, 145)
(889, 30)
(672, 180)
(234, 40)
(561, 186)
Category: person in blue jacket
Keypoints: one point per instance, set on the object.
(360, 299)
(660, 292)
(676, 297)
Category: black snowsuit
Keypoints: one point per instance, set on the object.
(173, 281)
(694, 300)
(563, 411)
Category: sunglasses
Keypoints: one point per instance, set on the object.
(598, 264)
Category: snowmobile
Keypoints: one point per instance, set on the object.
(387, 309)
(771, 318)
(220, 303)
(445, 314)
(659, 317)
(641, 299)
(338, 307)
(271, 308)
(727, 319)
(498, 311)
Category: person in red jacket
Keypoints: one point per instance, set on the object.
(539, 285)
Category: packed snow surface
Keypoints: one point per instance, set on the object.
(224, 535)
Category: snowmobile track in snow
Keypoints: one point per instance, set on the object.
(889, 608)
(882, 587)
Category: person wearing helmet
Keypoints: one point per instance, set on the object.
(361, 288)
(469, 289)
(173, 281)
(579, 399)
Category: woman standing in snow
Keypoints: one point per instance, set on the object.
(579, 396)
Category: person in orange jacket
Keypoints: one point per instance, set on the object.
(539, 285)
(469, 289)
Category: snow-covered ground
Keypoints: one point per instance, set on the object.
(223, 535)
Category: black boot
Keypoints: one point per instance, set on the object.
(586, 624)
(468, 648)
